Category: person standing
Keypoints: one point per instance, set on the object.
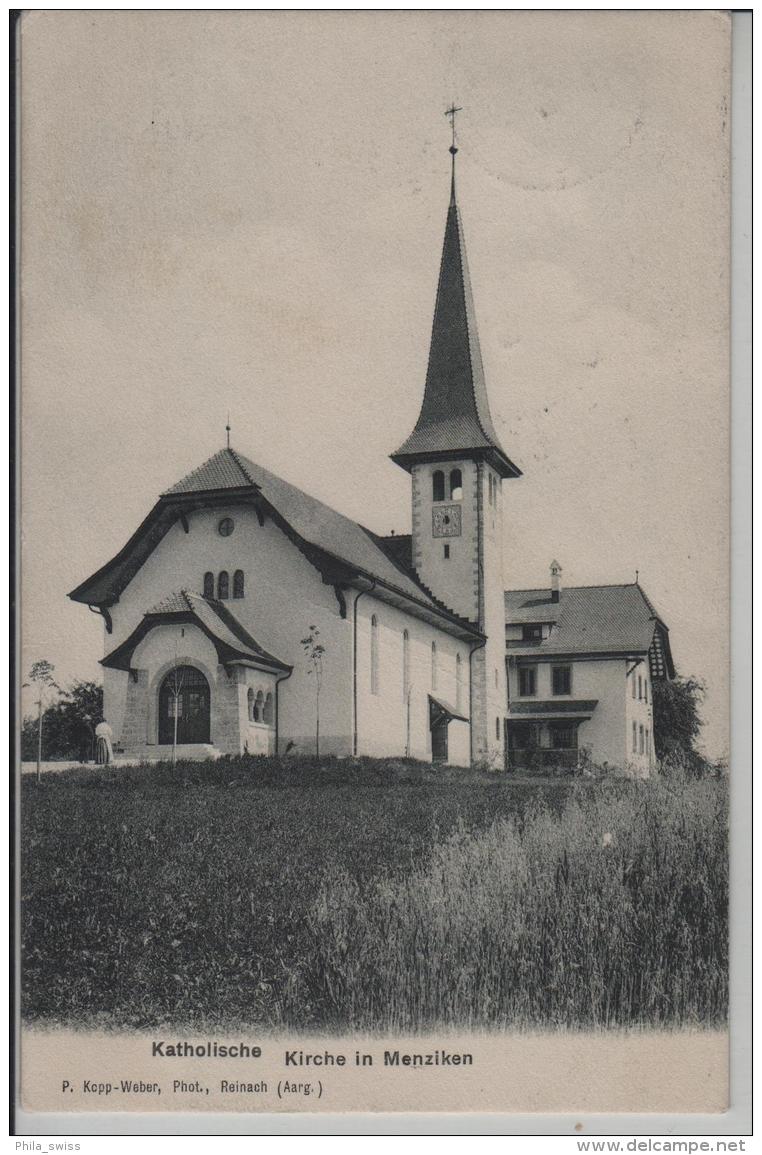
(104, 750)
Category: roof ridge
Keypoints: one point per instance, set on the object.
(236, 457)
(593, 586)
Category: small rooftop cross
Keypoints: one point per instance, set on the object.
(227, 430)
(451, 112)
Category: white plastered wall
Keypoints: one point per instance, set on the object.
(382, 718)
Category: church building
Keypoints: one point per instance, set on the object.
(423, 651)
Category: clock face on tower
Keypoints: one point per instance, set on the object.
(445, 521)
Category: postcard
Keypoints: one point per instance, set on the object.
(374, 512)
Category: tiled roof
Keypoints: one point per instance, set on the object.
(455, 415)
(589, 619)
(329, 534)
(233, 642)
(222, 471)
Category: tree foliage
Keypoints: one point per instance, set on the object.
(677, 721)
(68, 724)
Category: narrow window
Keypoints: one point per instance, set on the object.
(250, 698)
(223, 586)
(446, 552)
(642, 745)
(269, 715)
(640, 687)
(405, 665)
(259, 706)
(634, 687)
(208, 585)
(496, 679)
(527, 681)
(645, 689)
(562, 679)
(433, 665)
(374, 655)
(437, 485)
(497, 728)
(458, 682)
(456, 485)
(238, 583)
(634, 737)
(648, 741)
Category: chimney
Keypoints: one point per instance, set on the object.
(555, 581)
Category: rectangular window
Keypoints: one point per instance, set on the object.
(642, 743)
(563, 736)
(562, 680)
(634, 687)
(446, 552)
(527, 681)
(634, 737)
(640, 687)
(648, 742)
(645, 688)
(531, 633)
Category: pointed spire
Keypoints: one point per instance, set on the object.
(455, 416)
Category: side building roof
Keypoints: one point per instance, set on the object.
(609, 619)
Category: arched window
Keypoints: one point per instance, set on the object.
(458, 682)
(238, 583)
(223, 586)
(433, 665)
(456, 485)
(634, 737)
(642, 744)
(497, 729)
(269, 713)
(634, 686)
(437, 485)
(374, 655)
(259, 707)
(250, 700)
(209, 585)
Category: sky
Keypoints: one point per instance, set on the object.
(244, 212)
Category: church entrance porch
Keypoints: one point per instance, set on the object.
(184, 707)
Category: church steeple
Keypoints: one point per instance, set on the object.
(455, 418)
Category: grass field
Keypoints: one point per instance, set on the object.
(370, 895)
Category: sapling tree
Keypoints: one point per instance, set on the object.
(313, 652)
(41, 678)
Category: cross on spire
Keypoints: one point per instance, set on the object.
(452, 111)
(227, 430)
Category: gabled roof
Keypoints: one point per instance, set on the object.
(342, 549)
(617, 619)
(455, 416)
(232, 642)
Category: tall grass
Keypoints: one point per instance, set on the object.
(612, 914)
(371, 895)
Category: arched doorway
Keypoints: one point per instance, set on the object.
(185, 691)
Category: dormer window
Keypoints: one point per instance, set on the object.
(456, 485)
(531, 633)
(438, 485)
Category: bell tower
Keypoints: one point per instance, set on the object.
(457, 468)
